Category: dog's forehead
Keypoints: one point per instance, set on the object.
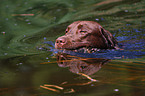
(74, 24)
(89, 24)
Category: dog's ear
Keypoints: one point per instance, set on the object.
(109, 39)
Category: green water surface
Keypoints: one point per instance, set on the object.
(24, 68)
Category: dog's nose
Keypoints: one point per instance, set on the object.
(61, 41)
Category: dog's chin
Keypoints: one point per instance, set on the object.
(73, 46)
(82, 48)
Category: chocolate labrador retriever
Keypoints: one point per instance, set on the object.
(87, 34)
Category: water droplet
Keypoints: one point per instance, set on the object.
(92, 84)
(126, 10)
(5, 53)
(102, 19)
(30, 8)
(26, 3)
(58, 10)
(3, 33)
(20, 63)
(44, 5)
(97, 19)
(40, 48)
(27, 20)
(7, 19)
(44, 38)
(71, 5)
(54, 17)
(29, 23)
(116, 90)
(127, 24)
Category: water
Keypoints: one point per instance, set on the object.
(25, 67)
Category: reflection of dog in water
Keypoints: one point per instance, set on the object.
(77, 65)
(87, 66)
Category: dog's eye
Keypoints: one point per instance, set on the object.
(83, 31)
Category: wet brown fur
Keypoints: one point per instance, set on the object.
(87, 34)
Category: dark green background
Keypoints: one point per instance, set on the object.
(20, 70)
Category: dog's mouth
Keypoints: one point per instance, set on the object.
(79, 47)
(72, 45)
(86, 50)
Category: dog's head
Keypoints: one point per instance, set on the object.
(85, 34)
